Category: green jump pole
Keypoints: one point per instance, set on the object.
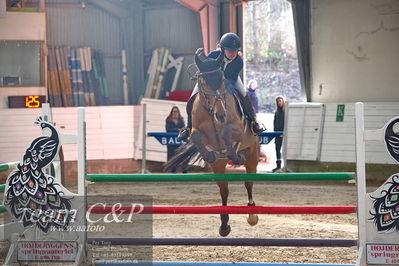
(219, 177)
(6, 166)
(2, 187)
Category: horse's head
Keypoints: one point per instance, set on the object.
(210, 84)
(210, 69)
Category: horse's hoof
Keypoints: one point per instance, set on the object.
(242, 159)
(224, 231)
(252, 219)
(211, 157)
(237, 159)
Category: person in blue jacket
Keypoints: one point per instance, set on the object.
(230, 44)
(251, 91)
(173, 123)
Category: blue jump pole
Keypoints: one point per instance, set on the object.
(190, 263)
(274, 242)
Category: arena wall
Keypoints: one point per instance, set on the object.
(354, 57)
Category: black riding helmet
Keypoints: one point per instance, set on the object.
(230, 41)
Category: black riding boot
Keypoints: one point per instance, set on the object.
(278, 167)
(250, 114)
(185, 132)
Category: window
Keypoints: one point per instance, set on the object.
(20, 63)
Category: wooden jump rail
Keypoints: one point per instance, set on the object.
(7, 166)
(261, 242)
(327, 176)
(221, 210)
(225, 210)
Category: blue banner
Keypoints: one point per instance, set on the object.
(170, 138)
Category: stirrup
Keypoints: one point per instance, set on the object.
(256, 128)
(184, 133)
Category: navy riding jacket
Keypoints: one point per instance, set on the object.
(233, 69)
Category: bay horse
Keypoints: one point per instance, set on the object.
(220, 132)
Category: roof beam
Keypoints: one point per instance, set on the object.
(208, 11)
(111, 8)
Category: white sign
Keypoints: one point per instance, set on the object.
(382, 254)
(47, 250)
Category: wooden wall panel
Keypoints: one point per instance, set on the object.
(17, 130)
(339, 137)
(110, 131)
(114, 132)
(303, 132)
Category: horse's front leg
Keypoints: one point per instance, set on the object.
(208, 156)
(252, 156)
(225, 228)
(227, 135)
(252, 219)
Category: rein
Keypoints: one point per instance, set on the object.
(199, 74)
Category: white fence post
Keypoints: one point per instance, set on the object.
(360, 180)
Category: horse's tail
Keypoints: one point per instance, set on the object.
(183, 155)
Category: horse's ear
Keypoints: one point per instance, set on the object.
(200, 51)
(220, 58)
(197, 58)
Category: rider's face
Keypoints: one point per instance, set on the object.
(230, 54)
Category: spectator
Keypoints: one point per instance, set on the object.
(173, 123)
(251, 91)
(278, 123)
(15, 3)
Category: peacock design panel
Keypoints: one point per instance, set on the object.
(391, 138)
(385, 206)
(32, 196)
(385, 211)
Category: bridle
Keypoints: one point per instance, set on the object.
(217, 94)
(220, 97)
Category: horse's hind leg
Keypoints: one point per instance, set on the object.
(231, 152)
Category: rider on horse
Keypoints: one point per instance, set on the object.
(232, 65)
